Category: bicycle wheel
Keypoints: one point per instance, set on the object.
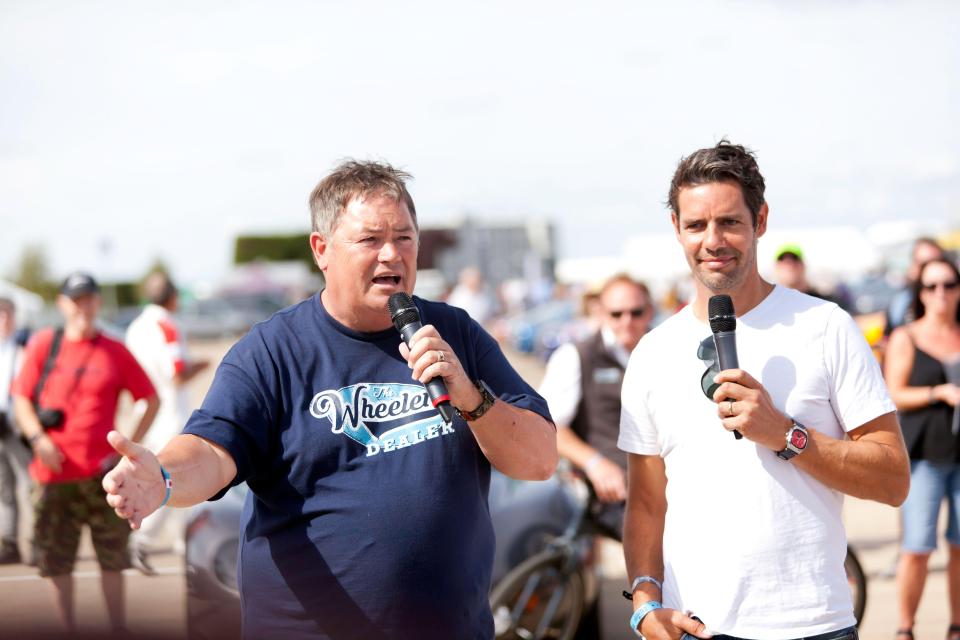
(539, 599)
(858, 584)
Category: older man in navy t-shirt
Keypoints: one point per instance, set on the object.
(367, 516)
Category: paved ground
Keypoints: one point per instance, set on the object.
(155, 605)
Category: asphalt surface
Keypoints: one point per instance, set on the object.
(156, 605)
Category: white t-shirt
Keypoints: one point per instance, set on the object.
(751, 544)
(155, 341)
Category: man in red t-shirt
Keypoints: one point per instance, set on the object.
(66, 422)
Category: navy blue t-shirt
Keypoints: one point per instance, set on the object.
(367, 516)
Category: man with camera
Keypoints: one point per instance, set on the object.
(65, 401)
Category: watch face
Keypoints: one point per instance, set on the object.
(798, 438)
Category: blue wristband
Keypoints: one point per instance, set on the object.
(640, 614)
(168, 483)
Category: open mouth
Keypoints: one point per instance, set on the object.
(387, 280)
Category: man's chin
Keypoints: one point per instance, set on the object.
(718, 281)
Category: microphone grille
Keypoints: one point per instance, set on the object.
(402, 310)
(720, 313)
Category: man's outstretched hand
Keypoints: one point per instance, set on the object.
(135, 487)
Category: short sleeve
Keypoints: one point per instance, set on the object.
(494, 369)
(135, 379)
(858, 391)
(239, 411)
(561, 384)
(638, 434)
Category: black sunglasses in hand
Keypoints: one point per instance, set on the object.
(707, 352)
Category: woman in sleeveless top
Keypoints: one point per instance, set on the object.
(921, 368)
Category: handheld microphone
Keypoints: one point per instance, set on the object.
(406, 318)
(723, 324)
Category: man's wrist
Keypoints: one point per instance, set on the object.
(637, 618)
(167, 484)
(592, 461)
(33, 439)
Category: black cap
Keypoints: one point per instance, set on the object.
(79, 284)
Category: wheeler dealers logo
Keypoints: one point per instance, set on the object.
(403, 410)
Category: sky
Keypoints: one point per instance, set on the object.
(133, 131)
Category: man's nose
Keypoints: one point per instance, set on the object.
(388, 252)
(713, 236)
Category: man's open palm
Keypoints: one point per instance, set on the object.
(135, 487)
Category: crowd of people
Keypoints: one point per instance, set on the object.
(367, 513)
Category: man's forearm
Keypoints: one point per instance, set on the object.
(153, 406)
(26, 417)
(198, 468)
(521, 444)
(643, 524)
(573, 448)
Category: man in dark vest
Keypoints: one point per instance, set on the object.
(582, 387)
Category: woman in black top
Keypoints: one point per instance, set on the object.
(921, 369)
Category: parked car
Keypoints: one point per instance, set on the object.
(526, 515)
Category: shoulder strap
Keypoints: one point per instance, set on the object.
(48, 363)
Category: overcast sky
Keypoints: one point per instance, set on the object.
(164, 129)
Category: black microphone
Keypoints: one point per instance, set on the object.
(406, 318)
(723, 324)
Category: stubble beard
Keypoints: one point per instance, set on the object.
(721, 282)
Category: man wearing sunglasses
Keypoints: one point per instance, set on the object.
(582, 388)
(745, 539)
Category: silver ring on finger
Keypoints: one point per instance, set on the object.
(440, 357)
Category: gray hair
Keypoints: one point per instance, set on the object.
(354, 179)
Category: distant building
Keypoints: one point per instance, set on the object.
(502, 251)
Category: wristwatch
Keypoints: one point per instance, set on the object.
(797, 438)
(486, 401)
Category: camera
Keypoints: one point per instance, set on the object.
(50, 418)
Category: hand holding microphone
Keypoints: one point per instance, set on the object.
(723, 324)
(756, 413)
(429, 351)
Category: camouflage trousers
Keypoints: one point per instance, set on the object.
(61, 510)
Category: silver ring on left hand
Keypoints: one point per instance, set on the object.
(440, 356)
(730, 408)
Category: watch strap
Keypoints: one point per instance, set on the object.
(487, 400)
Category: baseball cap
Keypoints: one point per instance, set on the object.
(79, 284)
(789, 250)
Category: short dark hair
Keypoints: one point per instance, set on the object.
(355, 179)
(916, 305)
(725, 162)
(159, 289)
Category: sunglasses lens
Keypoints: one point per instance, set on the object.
(947, 286)
(707, 384)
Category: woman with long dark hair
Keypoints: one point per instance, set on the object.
(921, 368)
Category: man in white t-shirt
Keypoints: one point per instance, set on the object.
(743, 537)
(158, 345)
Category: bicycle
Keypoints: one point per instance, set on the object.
(543, 596)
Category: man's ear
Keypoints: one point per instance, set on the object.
(318, 247)
(762, 219)
(675, 219)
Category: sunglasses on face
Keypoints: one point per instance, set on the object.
(707, 353)
(634, 313)
(947, 286)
